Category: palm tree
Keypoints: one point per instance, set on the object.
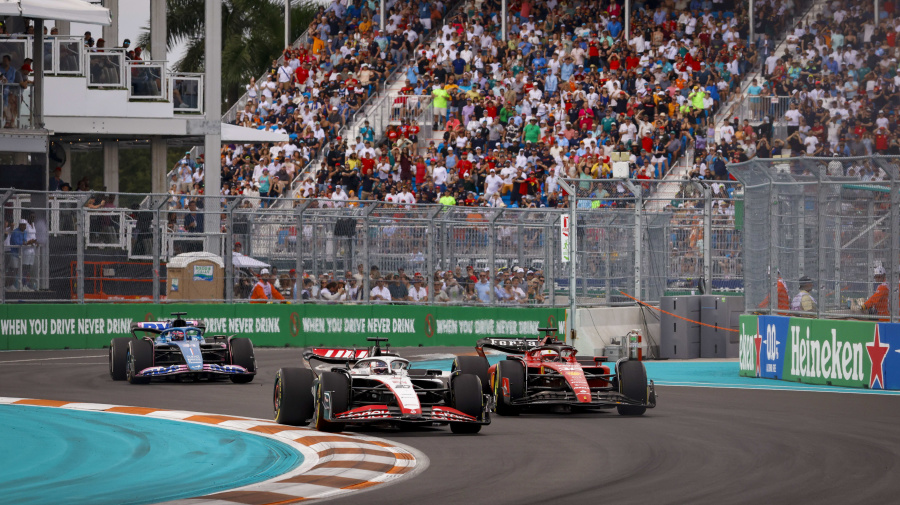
(252, 36)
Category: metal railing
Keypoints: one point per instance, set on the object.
(106, 68)
(186, 91)
(835, 221)
(121, 246)
(145, 80)
(17, 106)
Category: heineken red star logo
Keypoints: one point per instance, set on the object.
(877, 352)
(757, 341)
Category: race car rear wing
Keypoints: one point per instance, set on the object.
(507, 345)
(159, 326)
(523, 345)
(340, 356)
(335, 355)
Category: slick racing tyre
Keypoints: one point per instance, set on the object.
(293, 397)
(339, 386)
(118, 350)
(513, 372)
(475, 365)
(242, 355)
(632, 379)
(140, 356)
(467, 398)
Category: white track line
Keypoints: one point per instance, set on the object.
(48, 359)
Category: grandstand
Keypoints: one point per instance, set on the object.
(419, 144)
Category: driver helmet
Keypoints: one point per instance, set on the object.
(380, 367)
(176, 335)
(549, 354)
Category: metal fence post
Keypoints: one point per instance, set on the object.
(895, 248)
(638, 203)
(157, 247)
(82, 229)
(492, 276)
(548, 256)
(298, 211)
(707, 240)
(3, 199)
(367, 261)
(229, 245)
(773, 240)
(429, 260)
(821, 205)
(573, 262)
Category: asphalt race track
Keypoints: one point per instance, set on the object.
(700, 445)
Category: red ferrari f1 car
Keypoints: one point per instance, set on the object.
(547, 372)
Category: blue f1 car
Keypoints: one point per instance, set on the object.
(179, 350)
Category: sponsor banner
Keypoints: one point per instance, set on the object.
(817, 351)
(203, 273)
(747, 356)
(51, 326)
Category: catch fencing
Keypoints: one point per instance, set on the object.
(632, 241)
(87, 247)
(833, 220)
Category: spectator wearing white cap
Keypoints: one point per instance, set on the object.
(264, 291)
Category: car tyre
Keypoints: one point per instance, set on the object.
(339, 386)
(632, 382)
(475, 365)
(118, 351)
(467, 398)
(293, 397)
(514, 373)
(242, 355)
(139, 357)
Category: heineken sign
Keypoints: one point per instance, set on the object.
(815, 351)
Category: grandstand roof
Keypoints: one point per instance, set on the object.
(61, 10)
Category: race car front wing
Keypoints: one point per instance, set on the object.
(160, 371)
(436, 414)
(600, 398)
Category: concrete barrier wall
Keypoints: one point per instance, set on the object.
(598, 326)
(856, 354)
(48, 326)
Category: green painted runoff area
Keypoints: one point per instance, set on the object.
(77, 457)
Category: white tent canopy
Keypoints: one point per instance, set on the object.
(77, 11)
(240, 134)
(241, 261)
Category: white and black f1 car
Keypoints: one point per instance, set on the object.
(376, 386)
(179, 349)
(546, 372)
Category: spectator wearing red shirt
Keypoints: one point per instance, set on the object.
(368, 164)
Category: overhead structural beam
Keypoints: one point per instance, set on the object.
(628, 20)
(111, 32)
(503, 14)
(213, 141)
(752, 13)
(287, 23)
(158, 28)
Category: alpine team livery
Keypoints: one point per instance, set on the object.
(179, 350)
(547, 372)
(375, 385)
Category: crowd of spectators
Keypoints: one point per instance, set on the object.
(835, 91)
(566, 96)
(467, 285)
(317, 88)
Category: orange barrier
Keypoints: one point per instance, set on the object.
(676, 315)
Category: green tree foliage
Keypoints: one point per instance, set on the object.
(252, 36)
